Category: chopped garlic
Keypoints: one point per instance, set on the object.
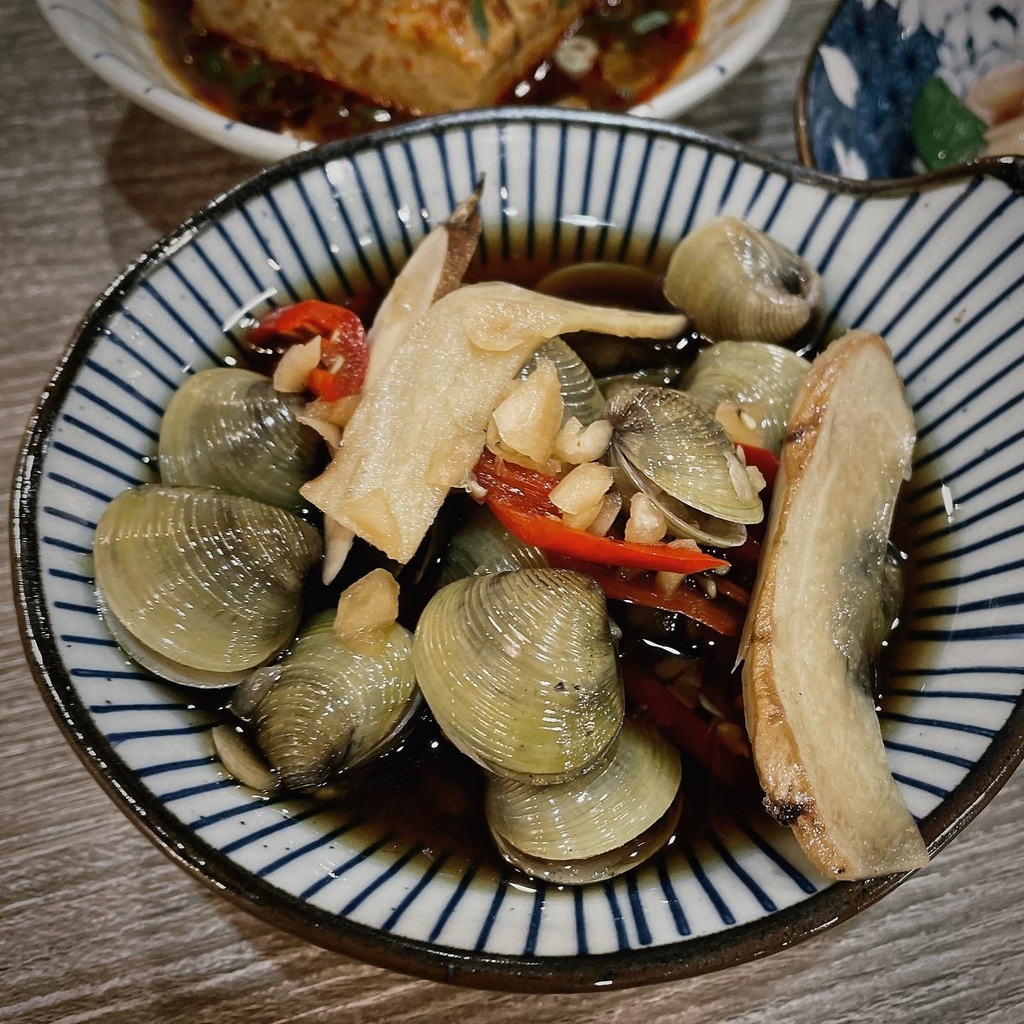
(551, 467)
(582, 488)
(742, 479)
(338, 540)
(338, 412)
(576, 443)
(295, 366)
(529, 418)
(371, 603)
(610, 508)
(667, 583)
(581, 520)
(646, 523)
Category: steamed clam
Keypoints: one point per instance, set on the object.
(597, 825)
(749, 386)
(520, 671)
(580, 395)
(482, 545)
(329, 704)
(198, 585)
(737, 283)
(669, 446)
(227, 427)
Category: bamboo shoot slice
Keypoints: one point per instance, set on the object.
(420, 427)
(806, 677)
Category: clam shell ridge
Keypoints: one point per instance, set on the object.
(759, 377)
(330, 705)
(599, 817)
(480, 544)
(674, 442)
(736, 282)
(520, 671)
(228, 427)
(206, 579)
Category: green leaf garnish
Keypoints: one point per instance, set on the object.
(945, 132)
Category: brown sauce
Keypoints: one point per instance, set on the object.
(640, 43)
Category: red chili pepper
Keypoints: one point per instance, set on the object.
(344, 355)
(508, 497)
(654, 702)
(719, 614)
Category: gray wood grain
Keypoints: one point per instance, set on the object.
(96, 925)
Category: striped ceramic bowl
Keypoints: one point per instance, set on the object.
(936, 268)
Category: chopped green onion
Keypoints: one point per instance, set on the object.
(476, 9)
(651, 22)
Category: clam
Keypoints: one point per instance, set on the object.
(227, 427)
(657, 376)
(749, 386)
(580, 395)
(481, 544)
(520, 671)
(737, 283)
(330, 705)
(597, 825)
(198, 585)
(668, 445)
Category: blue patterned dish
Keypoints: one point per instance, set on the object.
(935, 268)
(110, 38)
(855, 100)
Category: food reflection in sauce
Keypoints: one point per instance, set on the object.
(618, 55)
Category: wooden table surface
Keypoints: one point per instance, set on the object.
(97, 925)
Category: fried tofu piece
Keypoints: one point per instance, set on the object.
(424, 56)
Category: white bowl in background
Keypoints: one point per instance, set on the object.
(109, 37)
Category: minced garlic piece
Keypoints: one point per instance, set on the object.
(581, 520)
(369, 603)
(582, 488)
(295, 366)
(576, 443)
(529, 418)
(609, 512)
(646, 523)
(668, 583)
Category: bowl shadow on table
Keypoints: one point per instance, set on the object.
(740, 110)
(164, 174)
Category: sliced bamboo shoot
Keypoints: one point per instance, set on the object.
(807, 677)
(420, 427)
(434, 269)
